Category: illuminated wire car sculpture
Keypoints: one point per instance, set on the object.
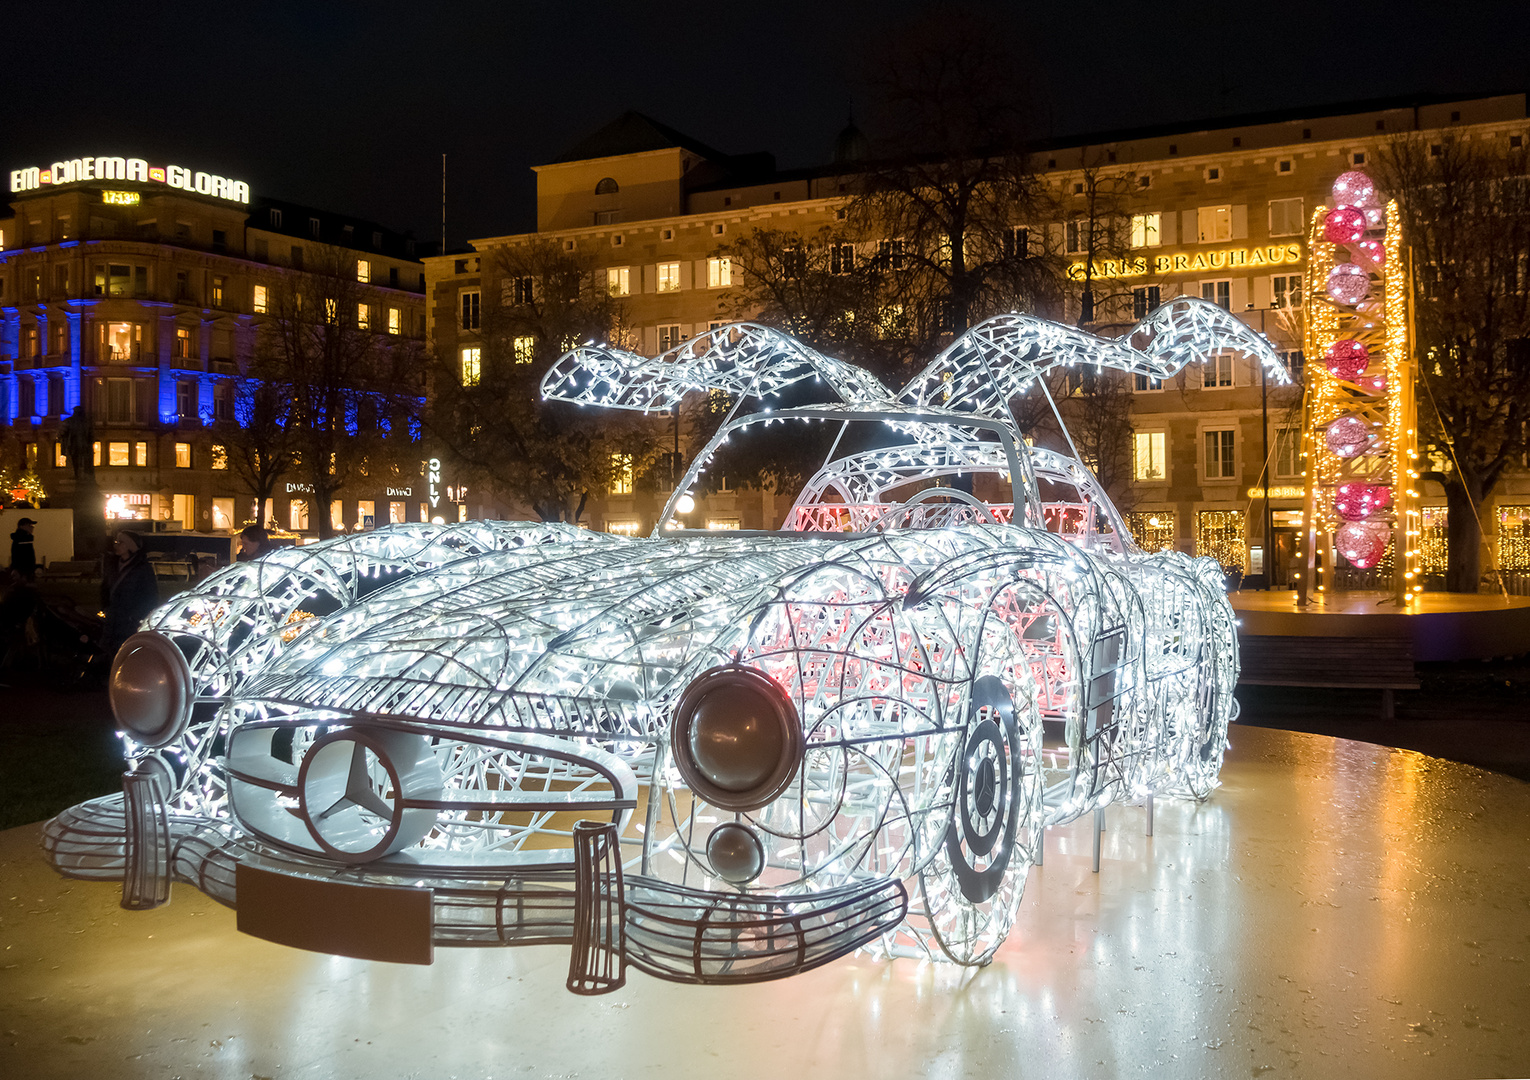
(715, 757)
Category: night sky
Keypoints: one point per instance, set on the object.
(349, 106)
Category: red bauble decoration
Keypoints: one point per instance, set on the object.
(1370, 254)
(1348, 436)
(1348, 284)
(1353, 189)
(1363, 543)
(1347, 359)
(1357, 501)
(1344, 225)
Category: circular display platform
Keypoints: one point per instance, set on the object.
(1335, 906)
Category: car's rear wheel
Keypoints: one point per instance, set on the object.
(971, 889)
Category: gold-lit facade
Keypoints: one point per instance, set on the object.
(1221, 213)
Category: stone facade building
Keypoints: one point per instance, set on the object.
(134, 292)
(1219, 212)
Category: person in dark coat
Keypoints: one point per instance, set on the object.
(23, 550)
(253, 543)
(134, 594)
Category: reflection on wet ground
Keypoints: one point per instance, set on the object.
(1335, 906)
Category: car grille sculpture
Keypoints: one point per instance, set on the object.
(712, 757)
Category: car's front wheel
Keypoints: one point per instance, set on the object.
(971, 889)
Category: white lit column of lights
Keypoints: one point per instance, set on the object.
(1360, 437)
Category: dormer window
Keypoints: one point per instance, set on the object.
(607, 186)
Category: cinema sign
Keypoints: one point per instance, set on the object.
(80, 170)
(1192, 263)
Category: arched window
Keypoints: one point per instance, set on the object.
(607, 187)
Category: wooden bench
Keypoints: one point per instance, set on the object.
(1340, 663)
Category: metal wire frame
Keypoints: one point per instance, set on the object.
(534, 668)
(1001, 358)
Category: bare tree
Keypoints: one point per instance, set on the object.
(350, 389)
(1465, 210)
(260, 441)
(954, 187)
(486, 404)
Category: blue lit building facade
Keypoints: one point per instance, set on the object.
(134, 292)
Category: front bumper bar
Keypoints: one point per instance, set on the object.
(611, 920)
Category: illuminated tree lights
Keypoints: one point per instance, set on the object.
(783, 746)
(1361, 443)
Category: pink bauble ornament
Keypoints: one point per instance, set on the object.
(1375, 217)
(1363, 543)
(1379, 384)
(1353, 189)
(1344, 225)
(1347, 359)
(1348, 283)
(1348, 436)
(1369, 254)
(1357, 501)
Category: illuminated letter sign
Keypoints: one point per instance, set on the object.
(433, 480)
(1224, 259)
(120, 198)
(108, 167)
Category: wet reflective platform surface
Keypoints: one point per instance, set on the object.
(1336, 908)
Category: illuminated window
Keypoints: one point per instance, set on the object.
(1220, 461)
(722, 524)
(182, 343)
(95, 451)
(621, 474)
(1152, 529)
(363, 270)
(1214, 223)
(393, 320)
(1286, 291)
(363, 317)
(669, 277)
(223, 513)
(1286, 217)
(469, 301)
(297, 515)
(183, 455)
(119, 453)
(1145, 230)
(260, 303)
(719, 272)
(524, 349)
(1148, 465)
(1219, 535)
(669, 336)
(1218, 292)
(472, 359)
(337, 515)
(219, 455)
(366, 513)
(619, 280)
(624, 526)
(1217, 371)
(141, 454)
(219, 286)
(60, 459)
(331, 310)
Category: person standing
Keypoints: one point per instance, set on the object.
(23, 550)
(253, 543)
(134, 593)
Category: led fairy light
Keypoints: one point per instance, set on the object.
(446, 693)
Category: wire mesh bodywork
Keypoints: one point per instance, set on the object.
(489, 710)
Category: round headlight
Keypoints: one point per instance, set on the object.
(150, 689)
(736, 738)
